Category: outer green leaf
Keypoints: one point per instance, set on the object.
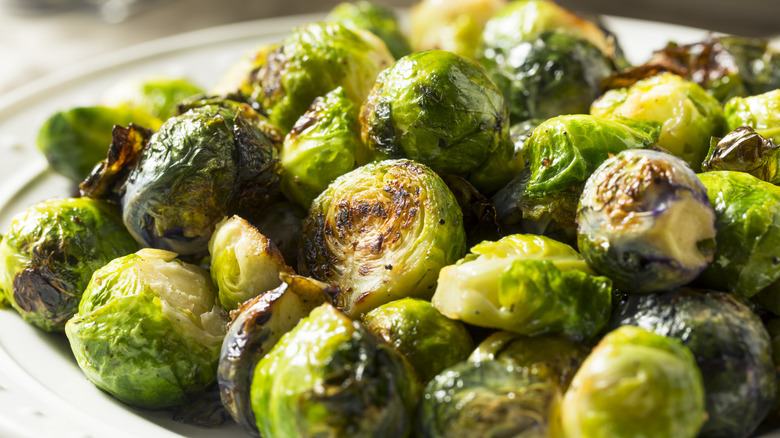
(376, 19)
(760, 112)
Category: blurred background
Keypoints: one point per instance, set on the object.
(38, 37)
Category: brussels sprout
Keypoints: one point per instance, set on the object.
(346, 382)
(549, 358)
(645, 221)
(635, 384)
(199, 167)
(256, 328)
(241, 80)
(744, 150)
(315, 59)
(376, 19)
(430, 341)
(157, 97)
(564, 151)
(731, 347)
(75, 140)
(488, 399)
(547, 76)
(525, 284)
(50, 251)
(440, 109)
(747, 217)
(148, 329)
(689, 115)
(451, 25)
(479, 215)
(244, 263)
(320, 147)
(760, 112)
(282, 222)
(382, 232)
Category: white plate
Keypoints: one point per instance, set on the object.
(42, 391)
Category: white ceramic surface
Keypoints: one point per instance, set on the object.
(42, 391)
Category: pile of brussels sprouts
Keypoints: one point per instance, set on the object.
(494, 227)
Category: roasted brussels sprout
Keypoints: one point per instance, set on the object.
(315, 59)
(382, 232)
(256, 327)
(157, 97)
(440, 109)
(244, 263)
(376, 19)
(689, 115)
(320, 147)
(429, 340)
(75, 140)
(635, 384)
(731, 347)
(346, 382)
(744, 150)
(241, 80)
(487, 399)
(547, 357)
(760, 112)
(525, 284)
(50, 251)
(553, 74)
(747, 217)
(451, 25)
(645, 221)
(149, 329)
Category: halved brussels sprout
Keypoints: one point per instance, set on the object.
(429, 340)
(75, 140)
(315, 59)
(645, 221)
(488, 399)
(256, 327)
(747, 217)
(553, 74)
(635, 384)
(441, 110)
(451, 25)
(525, 284)
(320, 147)
(244, 263)
(376, 19)
(744, 150)
(331, 376)
(760, 112)
(731, 347)
(157, 97)
(689, 115)
(149, 329)
(382, 232)
(50, 251)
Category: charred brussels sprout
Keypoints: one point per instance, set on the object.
(747, 217)
(256, 327)
(382, 232)
(50, 251)
(75, 140)
(689, 115)
(430, 341)
(149, 329)
(376, 19)
(760, 112)
(645, 221)
(315, 59)
(548, 76)
(731, 347)
(635, 384)
(440, 109)
(341, 380)
(528, 285)
(487, 399)
(157, 97)
(244, 263)
(744, 150)
(241, 80)
(320, 147)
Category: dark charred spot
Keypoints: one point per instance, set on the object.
(389, 267)
(442, 222)
(546, 162)
(442, 143)
(37, 293)
(376, 245)
(78, 220)
(364, 270)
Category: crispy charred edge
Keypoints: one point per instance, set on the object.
(311, 117)
(108, 177)
(744, 150)
(377, 130)
(270, 76)
(258, 168)
(41, 296)
(248, 109)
